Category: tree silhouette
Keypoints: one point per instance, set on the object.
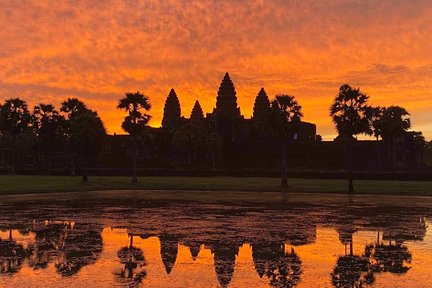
(420, 143)
(49, 127)
(187, 139)
(395, 122)
(285, 113)
(212, 146)
(350, 114)
(14, 120)
(87, 136)
(136, 104)
(71, 107)
(374, 114)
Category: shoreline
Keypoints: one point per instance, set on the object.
(23, 185)
(176, 197)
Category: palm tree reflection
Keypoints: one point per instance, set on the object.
(133, 261)
(282, 268)
(12, 255)
(49, 240)
(351, 271)
(82, 247)
(359, 270)
(392, 258)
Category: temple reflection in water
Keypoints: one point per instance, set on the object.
(275, 239)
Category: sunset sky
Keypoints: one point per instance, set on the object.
(97, 50)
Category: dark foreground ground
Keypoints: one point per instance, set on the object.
(220, 186)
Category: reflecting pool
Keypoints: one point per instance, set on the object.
(338, 241)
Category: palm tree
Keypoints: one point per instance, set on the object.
(48, 127)
(350, 115)
(136, 104)
(285, 112)
(87, 136)
(375, 117)
(14, 120)
(395, 122)
(71, 107)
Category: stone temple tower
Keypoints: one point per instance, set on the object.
(197, 112)
(261, 107)
(226, 101)
(172, 111)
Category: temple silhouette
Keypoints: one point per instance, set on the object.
(223, 141)
(226, 118)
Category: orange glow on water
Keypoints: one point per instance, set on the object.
(318, 260)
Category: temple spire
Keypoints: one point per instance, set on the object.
(172, 110)
(261, 106)
(168, 251)
(197, 112)
(226, 101)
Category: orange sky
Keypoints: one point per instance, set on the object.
(97, 50)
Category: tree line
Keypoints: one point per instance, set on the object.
(79, 131)
(74, 129)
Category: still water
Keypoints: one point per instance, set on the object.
(337, 241)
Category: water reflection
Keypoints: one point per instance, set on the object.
(133, 261)
(277, 236)
(282, 268)
(12, 255)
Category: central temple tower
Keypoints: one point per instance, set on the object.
(226, 101)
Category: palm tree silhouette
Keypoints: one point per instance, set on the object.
(375, 116)
(87, 136)
(14, 120)
(350, 114)
(48, 126)
(71, 107)
(136, 104)
(395, 121)
(285, 113)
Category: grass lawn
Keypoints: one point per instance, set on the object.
(17, 184)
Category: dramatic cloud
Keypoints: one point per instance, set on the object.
(97, 50)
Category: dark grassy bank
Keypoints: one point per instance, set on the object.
(19, 184)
